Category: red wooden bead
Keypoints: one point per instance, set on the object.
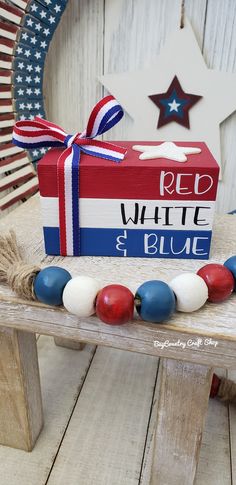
(219, 280)
(115, 304)
(215, 384)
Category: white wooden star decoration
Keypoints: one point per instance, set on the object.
(180, 57)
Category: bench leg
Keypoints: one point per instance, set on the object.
(68, 343)
(21, 416)
(182, 406)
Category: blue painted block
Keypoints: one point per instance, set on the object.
(53, 4)
(23, 79)
(38, 27)
(43, 14)
(30, 115)
(28, 53)
(27, 66)
(23, 92)
(29, 104)
(35, 41)
(41, 7)
(136, 243)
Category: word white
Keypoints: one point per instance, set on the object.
(198, 342)
(166, 216)
(173, 182)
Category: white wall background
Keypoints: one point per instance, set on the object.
(107, 36)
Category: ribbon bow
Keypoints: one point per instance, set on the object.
(42, 133)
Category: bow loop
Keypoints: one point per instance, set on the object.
(106, 114)
(42, 133)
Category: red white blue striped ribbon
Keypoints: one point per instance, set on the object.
(42, 133)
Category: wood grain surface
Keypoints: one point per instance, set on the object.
(21, 412)
(182, 406)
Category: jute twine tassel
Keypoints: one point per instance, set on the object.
(13, 270)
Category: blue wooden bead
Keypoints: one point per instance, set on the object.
(155, 301)
(50, 283)
(231, 265)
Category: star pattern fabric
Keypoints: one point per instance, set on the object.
(174, 104)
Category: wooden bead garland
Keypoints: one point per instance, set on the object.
(83, 295)
(54, 285)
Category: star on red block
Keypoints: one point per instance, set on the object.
(174, 104)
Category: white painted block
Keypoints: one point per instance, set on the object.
(107, 213)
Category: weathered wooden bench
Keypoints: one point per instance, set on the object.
(190, 346)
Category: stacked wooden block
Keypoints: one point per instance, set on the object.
(155, 208)
(26, 28)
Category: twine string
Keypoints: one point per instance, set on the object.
(182, 14)
(13, 270)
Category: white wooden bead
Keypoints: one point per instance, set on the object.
(79, 295)
(190, 290)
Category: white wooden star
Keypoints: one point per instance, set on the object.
(182, 57)
(167, 150)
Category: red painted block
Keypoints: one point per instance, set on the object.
(158, 179)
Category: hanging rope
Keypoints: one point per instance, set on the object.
(13, 270)
(182, 15)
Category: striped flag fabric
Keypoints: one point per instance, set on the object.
(26, 28)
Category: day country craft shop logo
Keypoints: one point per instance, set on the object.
(190, 343)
